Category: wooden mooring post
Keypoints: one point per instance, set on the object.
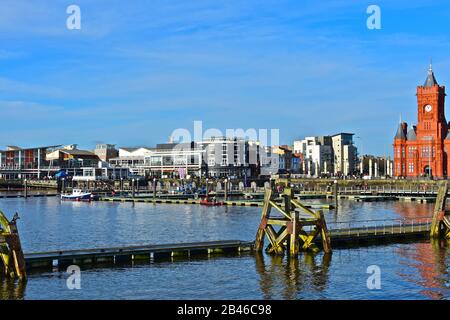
(292, 236)
(440, 226)
(12, 258)
(25, 188)
(336, 193)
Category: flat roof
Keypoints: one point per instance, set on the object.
(343, 133)
(78, 152)
(16, 148)
(131, 149)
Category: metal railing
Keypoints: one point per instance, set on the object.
(380, 226)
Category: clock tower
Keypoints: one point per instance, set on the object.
(422, 150)
(430, 107)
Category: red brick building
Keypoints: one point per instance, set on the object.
(422, 150)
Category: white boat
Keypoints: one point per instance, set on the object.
(77, 195)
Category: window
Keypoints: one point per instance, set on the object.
(426, 151)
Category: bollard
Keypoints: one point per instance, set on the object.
(226, 190)
(335, 191)
(26, 188)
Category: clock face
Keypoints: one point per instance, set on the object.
(428, 108)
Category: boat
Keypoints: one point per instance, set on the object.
(77, 195)
(213, 202)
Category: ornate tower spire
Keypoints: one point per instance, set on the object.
(431, 80)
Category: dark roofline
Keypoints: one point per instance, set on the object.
(401, 134)
(347, 133)
(31, 148)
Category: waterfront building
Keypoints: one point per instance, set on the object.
(375, 167)
(132, 158)
(165, 160)
(295, 162)
(422, 149)
(102, 172)
(270, 162)
(175, 159)
(106, 151)
(71, 158)
(285, 158)
(21, 163)
(317, 155)
(344, 154)
(228, 157)
(330, 155)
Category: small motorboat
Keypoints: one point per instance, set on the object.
(78, 195)
(213, 202)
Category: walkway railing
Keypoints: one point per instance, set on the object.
(381, 226)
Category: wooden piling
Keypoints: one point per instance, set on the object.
(291, 235)
(11, 249)
(226, 190)
(440, 226)
(335, 193)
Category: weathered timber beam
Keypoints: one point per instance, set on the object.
(273, 204)
(279, 222)
(301, 206)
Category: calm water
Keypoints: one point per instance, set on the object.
(408, 271)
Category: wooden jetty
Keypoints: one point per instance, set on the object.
(385, 231)
(389, 231)
(129, 254)
(420, 199)
(239, 203)
(37, 195)
(299, 228)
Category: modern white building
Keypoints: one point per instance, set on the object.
(345, 154)
(167, 159)
(228, 157)
(317, 155)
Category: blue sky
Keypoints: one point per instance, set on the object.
(139, 69)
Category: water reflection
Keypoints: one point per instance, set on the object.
(410, 270)
(410, 210)
(431, 262)
(285, 277)
(12, 289)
